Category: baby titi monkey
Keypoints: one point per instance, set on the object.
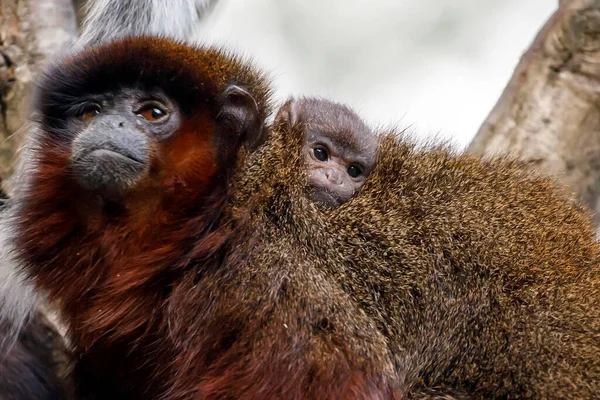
(339, 149)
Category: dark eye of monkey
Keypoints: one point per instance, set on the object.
(320, 153)
(90, 111)
(354, 171)
(153, 112)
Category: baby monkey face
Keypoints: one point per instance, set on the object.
(338, 163)
(338, 149)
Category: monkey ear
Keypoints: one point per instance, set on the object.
(288, 114)
(239, 115)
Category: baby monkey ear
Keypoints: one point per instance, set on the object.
(287, 116)
(239, 117)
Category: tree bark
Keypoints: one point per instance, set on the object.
(30, 32)
(549, 113)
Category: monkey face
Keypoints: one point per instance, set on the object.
(131, 138)
(120, 138)
(333, 178)
(114, 134)
(335, 172)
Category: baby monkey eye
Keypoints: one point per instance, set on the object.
(320, 153)
(354, 171)
(90, 111)
(152, 113)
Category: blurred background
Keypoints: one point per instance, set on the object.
(438, 65)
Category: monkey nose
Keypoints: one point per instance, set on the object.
(334, 177)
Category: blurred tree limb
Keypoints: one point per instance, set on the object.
(549, 113)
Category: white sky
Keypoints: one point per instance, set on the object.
(438, 65)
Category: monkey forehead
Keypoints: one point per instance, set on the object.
(337, 122)
(191, 76)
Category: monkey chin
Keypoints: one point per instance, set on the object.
(325, 198)
(107, 171)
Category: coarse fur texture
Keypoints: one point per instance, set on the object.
(162, 299)
(108, 20)
(483, 277)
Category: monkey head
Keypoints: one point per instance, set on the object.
(117, 115)
(338, 149)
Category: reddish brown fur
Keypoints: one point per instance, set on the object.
(159, 302)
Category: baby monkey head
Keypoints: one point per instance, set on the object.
(148, 112)
(339, 150)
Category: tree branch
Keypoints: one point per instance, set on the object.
(549, 113)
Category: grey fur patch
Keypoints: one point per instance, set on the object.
(107, 20)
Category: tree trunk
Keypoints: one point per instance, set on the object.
(30, 32)
(549, 113)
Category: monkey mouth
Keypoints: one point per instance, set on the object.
(325, 199)
(105, 154)
(107, 170)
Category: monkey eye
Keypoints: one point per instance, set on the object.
(354, 171)
(152, 113)
(90, 111)
(320, 153)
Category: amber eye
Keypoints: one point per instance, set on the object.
(89, 112)
(152, 113)
(354, 171)
(320, 153)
